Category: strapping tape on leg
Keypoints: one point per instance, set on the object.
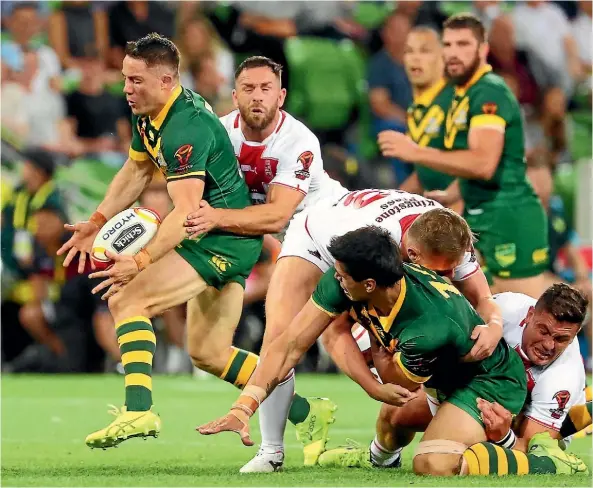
(440, 446)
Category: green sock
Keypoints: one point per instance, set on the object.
(137, 343)
(299, 409)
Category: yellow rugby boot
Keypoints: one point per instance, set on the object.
(313, 431)
(544, 446)
(124, 427)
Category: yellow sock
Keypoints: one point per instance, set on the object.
(485, 459)
(239, 368)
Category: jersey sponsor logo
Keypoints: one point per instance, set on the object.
(118, 225)
(360, 199)
(540, 256)
(306, 160)
(489, 108)
(398, 205)
(128, 236)
(505, 254)
(315, 254)
(221, 264)
(183, 154)
(562, 397)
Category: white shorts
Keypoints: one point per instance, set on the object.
(298, 243)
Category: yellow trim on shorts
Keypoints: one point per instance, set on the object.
(136, 357)
(331, 314)
(247, 369)
(411, 376)
(503, 464)
(187, 175)
(137, 318)
(229, 363)
(137, 335)
(522, 462)
(137, 155)
(138, 379)
(488, 120)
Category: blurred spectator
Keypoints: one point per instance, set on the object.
(131, 20)
(197, 40)
(581, 31)
(390, 92)
(209, 83)
(74, 26)
(97, 120)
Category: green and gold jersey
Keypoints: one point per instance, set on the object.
(426, 127)
(428, 329)
(486, 100)
(186, 140)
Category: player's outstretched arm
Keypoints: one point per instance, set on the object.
(283, 354)
(125, 188)
(268, 218)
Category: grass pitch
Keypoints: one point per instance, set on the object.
(46, 418)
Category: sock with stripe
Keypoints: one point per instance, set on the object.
(578, 418)
(239, 368)
(489, 459)
(137, 343)
(380, 456)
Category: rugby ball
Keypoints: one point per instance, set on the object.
(126, 233)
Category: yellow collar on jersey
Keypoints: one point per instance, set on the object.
(160, 118)
(387, 322)
(461, 90)
(427, 97)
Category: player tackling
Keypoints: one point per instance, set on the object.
(175, 131)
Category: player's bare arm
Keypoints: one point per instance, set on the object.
(269, 218)
(479, 161)
(412, 184)
(127, 185)
(185, 194)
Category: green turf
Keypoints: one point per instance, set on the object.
(46, 418)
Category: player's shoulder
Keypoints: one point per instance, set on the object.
(230, 121)
(514, 307)
(292, 131)
(493, 85)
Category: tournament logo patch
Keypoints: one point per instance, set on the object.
(562, 397)
(183, 154)
(306, 160)
(540, 256)
(489, 108)
(505, 254)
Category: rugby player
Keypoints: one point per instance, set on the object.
(174, 129)
(542, 332)
(421, 326)
(484, 149)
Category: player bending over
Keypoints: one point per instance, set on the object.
(174, 129)
(421, 327)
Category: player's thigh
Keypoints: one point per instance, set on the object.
(293, 281)
(212, 318)
(168, 282)
(449, 433)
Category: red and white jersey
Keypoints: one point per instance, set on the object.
(554, 388)
(290, 156)
(393, 210)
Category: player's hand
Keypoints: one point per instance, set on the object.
(202, 220)
(84, 234)
(397, 145)
(487, 338)
(497, 419)
(445, 198)
(393, 394)
(234, 421)
(118, 274)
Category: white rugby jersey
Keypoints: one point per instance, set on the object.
(393, 210)
(554, 388)
(290, 156)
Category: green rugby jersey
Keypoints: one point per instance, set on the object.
(486, 100)
(426, 127)
(186, 140)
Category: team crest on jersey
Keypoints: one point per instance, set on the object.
(505, 254)
(182, 155)
(562, 397)
(489, 108)
(306, 160)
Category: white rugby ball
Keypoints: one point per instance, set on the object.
(126, 233)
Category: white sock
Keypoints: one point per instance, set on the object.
(273, 414)
(381, 456)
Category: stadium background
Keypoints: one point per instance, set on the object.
(62, 92)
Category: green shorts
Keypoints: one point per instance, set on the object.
(506, 384)
(222, 258)
(513, 239)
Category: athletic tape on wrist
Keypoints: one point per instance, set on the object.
(142, 259)
(98, 219)
(508, 441)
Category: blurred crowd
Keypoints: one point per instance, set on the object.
(66, 130)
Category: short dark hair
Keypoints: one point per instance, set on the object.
(259, 62)
(369, 253)
(466, 20)
(154, 49)
(564, 303)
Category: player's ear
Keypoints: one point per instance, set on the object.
(235, 99)
(370, 285)
(483, 50)
(281, 97)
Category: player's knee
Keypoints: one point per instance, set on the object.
(205, 357)
(116, 302)
(29, 314)
(436, 464)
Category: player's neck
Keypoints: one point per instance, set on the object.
(419, 90)
(384, 300)
(255, 135)
(156, 112)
